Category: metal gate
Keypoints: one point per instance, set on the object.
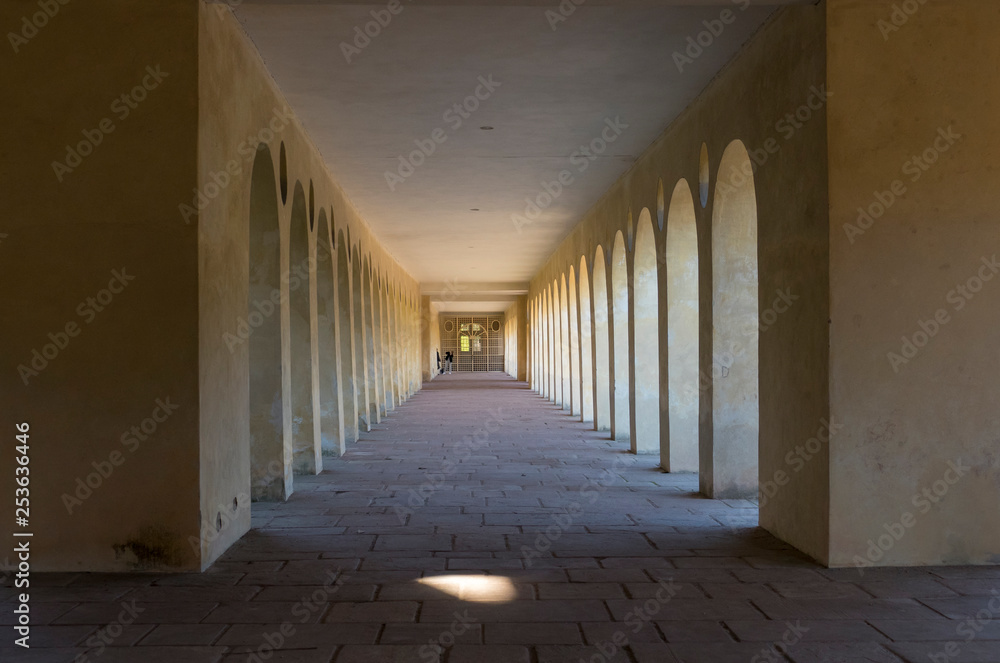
(476, 341)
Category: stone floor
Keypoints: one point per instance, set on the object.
(481, 524)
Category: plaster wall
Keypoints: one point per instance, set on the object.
(913, 360)
(106, 230)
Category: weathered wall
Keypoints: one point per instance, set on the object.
(914, 289)
(779, 71)
(98, 258)
(134, 258)
(240, 107)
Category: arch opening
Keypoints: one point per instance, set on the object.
(586, 346)
(574, 344)
(330, 405)
(684, 384)
(621, 415)
(735, 337)
(646, 331)
(346, 338)
(371, 338)
(305, 380)
(565, 370)
(602, 344)
(360, 343)
(270, 450)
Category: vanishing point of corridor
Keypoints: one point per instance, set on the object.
(481, 524)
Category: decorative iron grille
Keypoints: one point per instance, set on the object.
(475, 340)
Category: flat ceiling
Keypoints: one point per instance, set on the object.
(556, 86)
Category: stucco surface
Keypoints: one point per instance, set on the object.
(923, 123)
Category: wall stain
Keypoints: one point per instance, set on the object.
(150, 548)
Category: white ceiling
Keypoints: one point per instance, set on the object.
(557, 89)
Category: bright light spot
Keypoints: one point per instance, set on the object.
(476, 589)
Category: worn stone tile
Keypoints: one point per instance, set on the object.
(596, 633)
(903, 630)
(695, 631)
(160, 655)
(684, 609)
(576, 653)
(580, 590)
(489, 654)
(249, 637)
(819, 590)
(841, 652)
(652, 652)
(808, 608)
(321, 593)
(387, 654)
(518, 611)
(402, 633)
(183, 634)
(310, 655)
(54, 636)
(719, 652)
(184, 612)
(963, 607)
(532, 634)
(804, 630)
(35, 655)
(265, 612)
(379, 611)
(914, 588)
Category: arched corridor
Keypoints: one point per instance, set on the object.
(735, 322)
(620, 304)
(270, 474)
(684, 384)
(648, 331)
